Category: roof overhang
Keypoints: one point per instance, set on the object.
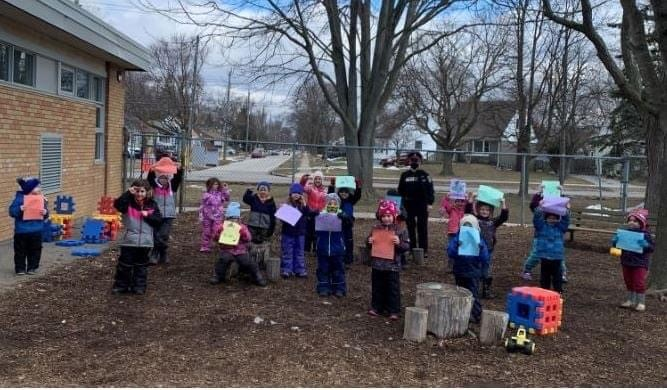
(69, 23)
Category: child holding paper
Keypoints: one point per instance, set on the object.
(348, 198)
(234, 247)
(316, 193)
(635, 265)
(292, 239)
(141, 216)
(453, 206)
(262, 219)
(330, 252)
(385, 276)
(467, 267)
(165, 177)
(549, 246)
(211, 211)
(29, 210)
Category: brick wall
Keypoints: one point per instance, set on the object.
(25, 115)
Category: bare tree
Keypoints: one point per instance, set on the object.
(442, 89)
(312, 118)
(641, 79)
(358, 47)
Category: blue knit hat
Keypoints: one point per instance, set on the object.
(264, 183)
(27, 184)
(296, 188)
(233, 210)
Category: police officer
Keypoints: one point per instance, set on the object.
(416, 189)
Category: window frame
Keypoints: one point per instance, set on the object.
(69, 68)
(99, 152)
(33, 71)
(88, 84)
(10, 61)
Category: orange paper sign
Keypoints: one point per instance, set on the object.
(32, 207)
(383, 244)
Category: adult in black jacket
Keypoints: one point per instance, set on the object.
(416, 189)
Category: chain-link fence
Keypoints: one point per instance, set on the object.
(591, 181)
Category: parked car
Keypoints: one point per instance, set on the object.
(335, 152)
(257, 153)
(274, 153)
(133, 152)
(400, 161)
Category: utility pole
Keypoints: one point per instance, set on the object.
(247, 122)
(224, 120)
(187, 141)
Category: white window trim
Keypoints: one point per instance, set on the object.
(10, 62)
(100, 130)
(60, 74)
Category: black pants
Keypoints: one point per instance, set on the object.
(417, 218)
(27, 246)
(259, 235)
(386, 291)
(348, 237)
(245, 265)
(161, 235)
(132, 268)
(472, 284)
(311, 239)
(551, 275)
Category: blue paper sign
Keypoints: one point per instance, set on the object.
(551, 188)
(346, 182)
(469, 240)
(629, 241)
(396, 199)
(457, 189)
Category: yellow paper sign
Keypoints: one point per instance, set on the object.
(231, 233)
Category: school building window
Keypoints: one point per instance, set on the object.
(4, 62)
(24, 67)
(66, 79)
(99, 133)
(82, 84)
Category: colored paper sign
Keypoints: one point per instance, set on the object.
(231, 233)
(490, 195)
(396, 199)
(327, 222)
(457, 189)
(346, 182)
(383, 244)
(289, 214)
(32, 207)
(469, 240)
(629, 241)
(550, 188)
(555, 205)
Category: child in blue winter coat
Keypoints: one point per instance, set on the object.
(293, 261)
(348, 198)
(330, 253)
(468, 269)
(27, 233)
(549, 246)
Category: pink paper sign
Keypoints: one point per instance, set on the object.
(32, 207)
(383, 244)
(327, 222)
(289, 214)
(555, 205)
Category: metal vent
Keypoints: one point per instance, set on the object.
(50, 162)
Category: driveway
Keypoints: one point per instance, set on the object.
(250, 170)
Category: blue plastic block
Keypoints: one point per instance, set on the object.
(51, 231)
(522, 311)
(64, 204)
(86, 252)
(70, 243)
(92, 231)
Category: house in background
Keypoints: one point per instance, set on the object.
(62, 101)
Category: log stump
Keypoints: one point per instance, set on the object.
(273, 269)
(450, 315)
(427, 296)
(493, 327)
(416, 319)
(259, 253)
(363, 255)
(418, 256)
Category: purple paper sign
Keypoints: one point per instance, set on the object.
(289, 214)
(555, 205)
(327, 222)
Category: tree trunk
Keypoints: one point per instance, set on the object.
(415, 324)
(447, 164)
(654, 150)
(493, 326)
(658, 269)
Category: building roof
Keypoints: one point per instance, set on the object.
(68, 22)
(493, 118)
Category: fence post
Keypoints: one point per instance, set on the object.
(624, 183)
(185, 164)
(293, 160)
(599, 172)
(523, 186)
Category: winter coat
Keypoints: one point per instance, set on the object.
(316, 197)
(416, 187)
(262, 214)
(455, 215)
(467, 266)
(332, 243)
(488, 226)
(634, 259)
(399, 249)
(300, 228)
(347, 205)
(550, 245)
(138, 229)
(164, 196)
(211, 208)
(238, 249)
(29, 226)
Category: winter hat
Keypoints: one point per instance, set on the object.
(332, 196)
(480, 203)
(471, 219)
(265, 184)
(233, 210)
(318, 173)
(296, 188)
(165, 166)
(640, 215)
(27, 184)
(415, 153)
(387, 207)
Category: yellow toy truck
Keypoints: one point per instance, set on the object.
(520, 343)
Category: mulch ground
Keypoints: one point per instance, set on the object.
(67, 329)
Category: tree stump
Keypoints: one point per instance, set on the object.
(273, 269)
(427, 296)
(418, 256)
(493, 326)
(259, 253)
(363, 255)
(416, 319)
(450, 315)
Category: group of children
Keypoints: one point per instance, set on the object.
(148, 209)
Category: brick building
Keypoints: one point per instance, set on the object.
(61, 102)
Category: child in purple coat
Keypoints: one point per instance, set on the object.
(293, 238)
(211, 211)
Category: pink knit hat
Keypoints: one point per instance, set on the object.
(640, 215)
(387, 207)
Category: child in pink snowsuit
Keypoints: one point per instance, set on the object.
(211, 211)
(453, 205)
